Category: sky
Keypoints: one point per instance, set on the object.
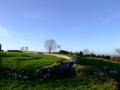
(74, 24)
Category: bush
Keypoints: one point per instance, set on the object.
(64, 52)
(92, 55)
(104, 56)
(107, 57)
(115, 59)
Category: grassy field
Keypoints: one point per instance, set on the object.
(27, 61)
(100, 64)
(31, 62)
(68, 83)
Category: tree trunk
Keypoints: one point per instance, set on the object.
(49, 50)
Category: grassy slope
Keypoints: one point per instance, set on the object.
(100, 64)
(27, 61)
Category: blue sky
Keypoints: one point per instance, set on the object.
(74, 24)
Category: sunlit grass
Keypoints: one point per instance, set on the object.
(30, 62)
(27, 61)
(100, 64)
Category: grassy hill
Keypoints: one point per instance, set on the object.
(31, 62)
(27, 61)
(100, 64)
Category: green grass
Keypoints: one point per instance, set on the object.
(27, 61)
(68, 83)
(100, 63)
(31, 62)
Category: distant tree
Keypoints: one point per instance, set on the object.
(26, 48)
(71, 53)
(86, 52)
(57, 47)
(99, 56)
(81, 53)
(117, 51)
(51, 45)
(102, 56)
(22, 48)
(107, 57)
(92, 55)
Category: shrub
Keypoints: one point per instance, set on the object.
(64, 52)
(115, 59)
(92, 55)
(107, 57)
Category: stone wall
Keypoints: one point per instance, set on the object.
(61, 70)
(57, 71)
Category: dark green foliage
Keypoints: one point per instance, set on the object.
(115, 59)
(81, 53)
(64, 52)
(104, 56)
(92, 55)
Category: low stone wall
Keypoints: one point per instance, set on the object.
(57, 71)
(61, 70)
(47, 72)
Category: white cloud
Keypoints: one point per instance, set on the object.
(5, 32)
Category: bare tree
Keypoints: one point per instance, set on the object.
(22, 48)
(86, 51)
(117, 51)
(26, 48)
(51, 45)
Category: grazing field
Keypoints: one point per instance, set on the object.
(31, 62)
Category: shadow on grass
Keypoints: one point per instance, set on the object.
(32, 58)
(5, 55)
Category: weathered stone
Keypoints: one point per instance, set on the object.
(105, 67)
(38, 70)
(114, 72)
(35, 75)
(25, 77)
(20, 75)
